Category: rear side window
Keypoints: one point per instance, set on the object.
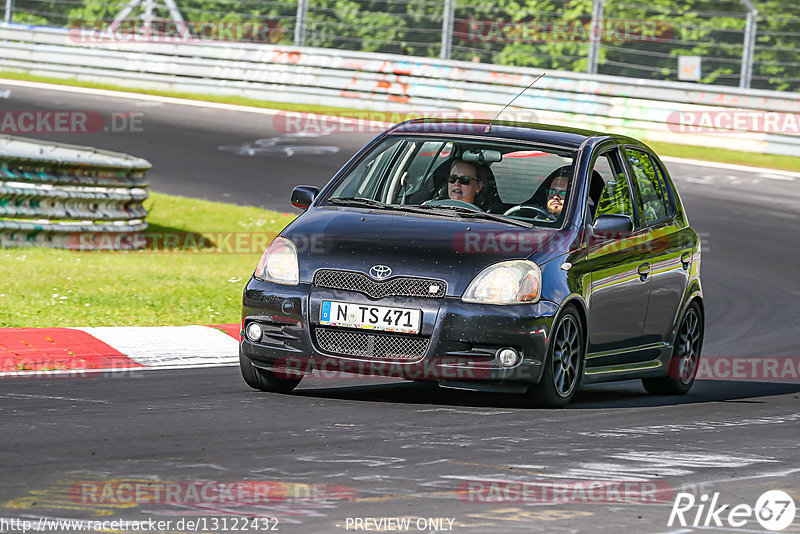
(653, 201)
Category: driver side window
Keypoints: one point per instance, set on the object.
(614, 195)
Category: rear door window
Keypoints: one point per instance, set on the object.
(653, 200)
(615, 197)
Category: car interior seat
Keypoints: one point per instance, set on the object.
(596, 187)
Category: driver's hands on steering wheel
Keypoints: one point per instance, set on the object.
(539, 212)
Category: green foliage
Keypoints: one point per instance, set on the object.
(638, 39)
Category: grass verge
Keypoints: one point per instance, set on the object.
(722, 155)
(43, 287)
(789, 163)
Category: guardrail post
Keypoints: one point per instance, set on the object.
(9, 11)
(447, 28)
(595, 36)
(300, 23)
(749, 47)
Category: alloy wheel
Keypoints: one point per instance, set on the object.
(566, 356)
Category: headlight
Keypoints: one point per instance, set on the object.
(508, 282)
(279, 263)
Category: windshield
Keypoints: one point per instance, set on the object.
(508, 181)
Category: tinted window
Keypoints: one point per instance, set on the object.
(521, 172)
(615, 197)
(653, 199)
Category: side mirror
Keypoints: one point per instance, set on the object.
(304, 195)
(612, 226)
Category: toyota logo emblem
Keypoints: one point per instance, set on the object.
(380, 272)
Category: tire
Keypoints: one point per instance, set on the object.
(563, 365)
(685, 357)
(263, 379)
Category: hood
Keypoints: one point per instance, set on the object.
(450, 249)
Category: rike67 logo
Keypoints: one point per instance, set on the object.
(774, 510)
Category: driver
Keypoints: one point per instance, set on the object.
(556, 195)
(466, 180)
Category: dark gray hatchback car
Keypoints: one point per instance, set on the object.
(513, 258)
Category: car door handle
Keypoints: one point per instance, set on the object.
(686, 260)
(644, 270)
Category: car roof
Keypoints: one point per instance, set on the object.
(522, 131)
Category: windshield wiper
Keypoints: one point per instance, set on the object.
(472, 214)
(359, 201)
(370, 203)
(455, 211)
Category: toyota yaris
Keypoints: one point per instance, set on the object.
(507, 257)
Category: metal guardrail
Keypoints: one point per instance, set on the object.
(66, 196)
(650, 110)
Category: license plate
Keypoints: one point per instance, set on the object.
(350, 315)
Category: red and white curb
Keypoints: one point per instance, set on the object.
(40, 351)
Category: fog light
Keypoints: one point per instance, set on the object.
(253, 331)
(507, 357)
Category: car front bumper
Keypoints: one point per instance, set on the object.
(457, 344)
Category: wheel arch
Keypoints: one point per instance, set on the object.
(576, 301)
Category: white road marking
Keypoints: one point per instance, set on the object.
(777, 177)
(369, 461)
(167, 346)
(705, 180)
(647, 465)
(774, 474)
(667, 458)
(71, 399)
(468, 412)
(654, 430)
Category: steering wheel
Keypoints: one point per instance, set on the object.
(540, 212)
(451, 202)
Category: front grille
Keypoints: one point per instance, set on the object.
(379, 346)
(401, 286)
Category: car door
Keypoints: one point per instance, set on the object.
(617, 295)
(668, 244)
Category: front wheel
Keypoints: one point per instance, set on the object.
(685, 357)
(563, 365)
(263, 379)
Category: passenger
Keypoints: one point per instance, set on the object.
(466, 180)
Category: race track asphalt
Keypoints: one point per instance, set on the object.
(358, 448)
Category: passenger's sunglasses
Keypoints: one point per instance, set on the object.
(463, 180)
(557, 193)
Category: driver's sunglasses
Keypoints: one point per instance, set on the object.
(463, 180)
(557, 193)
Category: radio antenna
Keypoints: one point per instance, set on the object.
(489, 126)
